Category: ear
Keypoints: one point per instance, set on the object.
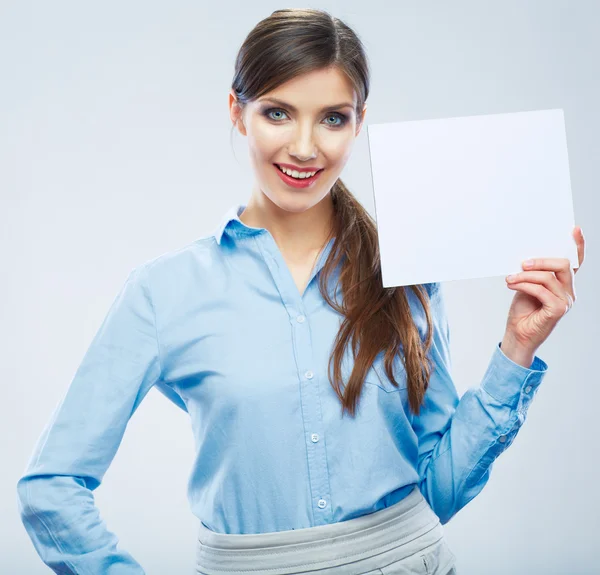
(235, 113)
(361, 120)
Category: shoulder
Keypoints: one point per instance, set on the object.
(174, 271)
(433, 291)
(189, 275)
(433, 288)
(180, 259)
(434, 300)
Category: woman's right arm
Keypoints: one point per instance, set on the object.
(76, 447)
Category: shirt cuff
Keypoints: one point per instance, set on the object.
(507, 381)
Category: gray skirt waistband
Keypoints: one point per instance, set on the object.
(408, 534)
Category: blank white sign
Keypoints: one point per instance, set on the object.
(471, 197)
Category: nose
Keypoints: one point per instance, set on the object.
(303, 146)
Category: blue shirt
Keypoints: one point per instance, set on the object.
(220, 328)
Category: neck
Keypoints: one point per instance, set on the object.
(299, 235)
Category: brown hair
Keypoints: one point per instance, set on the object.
(284, 45)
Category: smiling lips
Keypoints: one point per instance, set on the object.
(298, 182)
(298, 168)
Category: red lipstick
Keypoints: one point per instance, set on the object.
(298, 168)
(298, 182)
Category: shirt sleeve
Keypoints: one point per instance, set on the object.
(80, 440)
(460, 439)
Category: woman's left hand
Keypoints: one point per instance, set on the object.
(545, 293)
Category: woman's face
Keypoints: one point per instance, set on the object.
(311, 126)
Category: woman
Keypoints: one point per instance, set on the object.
(268, 332)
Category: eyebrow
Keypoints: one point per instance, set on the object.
(294, 109)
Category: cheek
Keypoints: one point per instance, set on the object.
(265, 140)
(337, 146)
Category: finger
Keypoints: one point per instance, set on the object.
(556, 306)
(560, 266)
(580, 241)
(547, 279)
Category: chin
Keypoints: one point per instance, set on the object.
(295, 201)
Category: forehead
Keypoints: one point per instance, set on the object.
(316, 89)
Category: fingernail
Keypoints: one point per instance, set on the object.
(528, 263)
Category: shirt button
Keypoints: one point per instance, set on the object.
(309, 375)
(528, 389)
(502, 439)
(322, 503)
(300, 319)
(314, 437)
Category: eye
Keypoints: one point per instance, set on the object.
(276, 110)
(338, 115)
(341, 117)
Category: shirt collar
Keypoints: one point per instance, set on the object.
(231, 222)
(232, 225)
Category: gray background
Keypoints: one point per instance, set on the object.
(114, 148)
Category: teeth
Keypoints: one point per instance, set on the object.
(296, 174)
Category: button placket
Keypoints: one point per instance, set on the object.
(310, 399)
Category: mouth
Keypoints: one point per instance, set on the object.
(297, 182)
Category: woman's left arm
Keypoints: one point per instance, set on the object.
(460, 439)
